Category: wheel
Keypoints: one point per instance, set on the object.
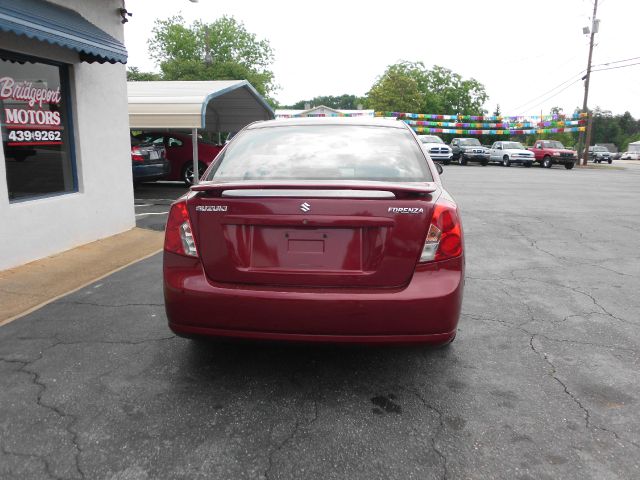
(463, 161)
(446, 162)
(484, 163)
(610, 161)
(505, 161)
(546, 162)
(569, 165)
(187, 172)
(528, 164)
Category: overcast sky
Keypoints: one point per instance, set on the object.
(518, 50)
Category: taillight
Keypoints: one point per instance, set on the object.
(444, 238)
(178, 236)
(136, 155)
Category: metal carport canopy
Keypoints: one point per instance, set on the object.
(217, 106)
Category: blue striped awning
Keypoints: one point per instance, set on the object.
(54, 24)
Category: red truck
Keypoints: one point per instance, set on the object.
(550, 152)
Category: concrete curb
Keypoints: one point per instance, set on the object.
(29, 287)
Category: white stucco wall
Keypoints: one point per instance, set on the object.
(103, 206)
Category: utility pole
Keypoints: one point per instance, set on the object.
(587, 78)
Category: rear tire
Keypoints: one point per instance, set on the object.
(446, 162)
(610, 161)
(187, 172)
(484, 163)
(505, 161)
(528, 164)
(569, 166)
(546, 162)
(463, 161)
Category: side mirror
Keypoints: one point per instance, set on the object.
(439, 168)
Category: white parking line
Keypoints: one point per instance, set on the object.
(154, 199)
(151, 213)
(143, 204)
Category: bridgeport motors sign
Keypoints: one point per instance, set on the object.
(31, 113)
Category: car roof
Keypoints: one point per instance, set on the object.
(361, 121)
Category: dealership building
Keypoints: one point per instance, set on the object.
(65, 128)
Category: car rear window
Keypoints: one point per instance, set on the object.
(323, 152)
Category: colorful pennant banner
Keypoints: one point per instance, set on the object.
(297, 115)
(532, 131)
(481, 118)
(499, 126)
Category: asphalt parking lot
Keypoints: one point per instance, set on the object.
(542, 382)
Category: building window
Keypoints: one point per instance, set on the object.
(36, 127)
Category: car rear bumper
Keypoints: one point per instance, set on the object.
(424, 311)
(153, 171)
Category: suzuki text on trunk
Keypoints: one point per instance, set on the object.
(317, 230)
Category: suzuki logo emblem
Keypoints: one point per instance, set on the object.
(305, 207)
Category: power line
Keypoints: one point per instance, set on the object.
(613, 68)
(555, 94)
(617, 61)
(575, 80)
(549, 91)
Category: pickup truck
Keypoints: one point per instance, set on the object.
(550, 152)
(469, 150)
(600, 154)
(438, 150)
(507, 153)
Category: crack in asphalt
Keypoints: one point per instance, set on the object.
(547, 337)
(587, 414)
(42, 388)
(545, 357)
(279, 447)
(294, 431)
(40, 458)
(69, 420)
(589, 425)
(581, 292)
(434, 446)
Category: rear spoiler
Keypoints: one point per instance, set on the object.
(400, 189)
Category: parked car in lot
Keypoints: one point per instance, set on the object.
(469, 150)
(148, 161)
(507, 153)
(438, 150)
(599, 154)
(180, 153)
(551, 152)
(286, 240)
(630, 156)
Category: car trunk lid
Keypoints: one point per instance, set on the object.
(320, 234)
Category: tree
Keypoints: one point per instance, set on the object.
(344, 102)
(411, 87)
(448, 92)
(400, 89)
(135, 75)
(222, 50)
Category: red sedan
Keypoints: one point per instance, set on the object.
(180, 153)
(320, 230)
